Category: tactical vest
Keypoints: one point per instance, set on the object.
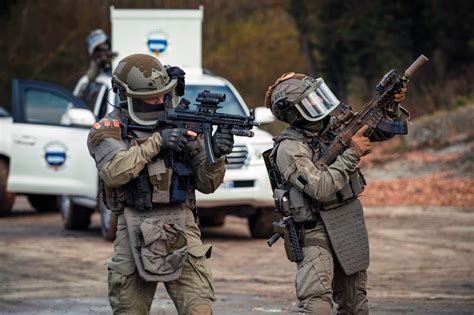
(159, 183)
(302, 207)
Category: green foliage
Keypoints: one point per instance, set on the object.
(358, 41)
(350, 43)
(257, 50)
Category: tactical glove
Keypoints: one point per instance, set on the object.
(222, 142)
(360, 143)
(174, 139)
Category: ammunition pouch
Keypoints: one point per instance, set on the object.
(139, 192)
(302, 208)
(180, 182)
(348, 193)
(157, 184)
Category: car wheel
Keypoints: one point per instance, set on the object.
(108, 220)
(215, 220)
(44, 203)
(6, 198)
(74, 216)
(260, 224)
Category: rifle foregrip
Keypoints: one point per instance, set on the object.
(415, 66)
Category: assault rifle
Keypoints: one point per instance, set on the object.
(346, 123)
(203, 118)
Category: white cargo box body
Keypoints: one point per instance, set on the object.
(173, 36)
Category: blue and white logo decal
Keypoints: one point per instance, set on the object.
(55, 155)
(157, 43)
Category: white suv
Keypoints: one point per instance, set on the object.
(45, 148)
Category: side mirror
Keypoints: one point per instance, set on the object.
(263, 115)
(78, 117)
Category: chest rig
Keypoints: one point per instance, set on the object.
(166, 180)
(296, 203)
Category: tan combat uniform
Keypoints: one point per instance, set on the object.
(319, 277)
(324, 202)
(121, 160)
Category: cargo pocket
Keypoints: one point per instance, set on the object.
(314, 274)
(202, 277)
(160, 178)
(163, 250)
(120, 273)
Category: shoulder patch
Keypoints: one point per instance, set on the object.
(105, 129)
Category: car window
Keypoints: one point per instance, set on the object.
(89, 93)
(230, 106)
(45, 107)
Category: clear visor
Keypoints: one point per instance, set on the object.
(318, 103)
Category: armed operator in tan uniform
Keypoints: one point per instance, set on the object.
(323, 203)
(149, 177)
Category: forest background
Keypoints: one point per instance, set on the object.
(351, 44)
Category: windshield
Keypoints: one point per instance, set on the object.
(230, 106)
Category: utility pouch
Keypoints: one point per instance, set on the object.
(113, 199)
(163, 249)
(301, 208)
(157, 242)
(160, 178)
(180, 182)
(282, 201)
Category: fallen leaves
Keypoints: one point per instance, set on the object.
(437, 189)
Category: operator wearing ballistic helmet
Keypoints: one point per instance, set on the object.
(158, 239)
(323, 203)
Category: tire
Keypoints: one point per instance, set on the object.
(108, 220)
(215, 220)
(6, 198)
(74, 217)
(44, 203)
(260, 224)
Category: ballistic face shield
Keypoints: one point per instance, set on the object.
(317, 101)
(147, 86)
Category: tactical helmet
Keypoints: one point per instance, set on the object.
(94, 39)
(138, 77)
(296, 98)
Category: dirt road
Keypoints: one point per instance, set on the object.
(422, 263)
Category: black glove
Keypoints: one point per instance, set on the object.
(174, 139)
(222, 142)
(177, 73)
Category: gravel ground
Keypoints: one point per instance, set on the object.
(422, 262)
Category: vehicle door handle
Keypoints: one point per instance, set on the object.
(25, 140)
